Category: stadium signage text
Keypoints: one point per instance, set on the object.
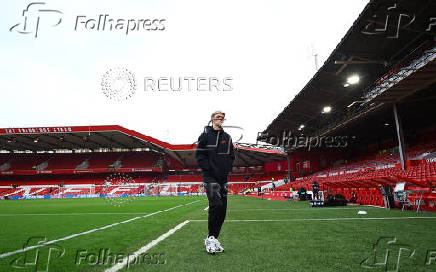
(37, 130)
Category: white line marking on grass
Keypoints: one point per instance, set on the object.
(86, 232)
(373, 206)
(205, 209)
(301, 209)
(318, 219)
(191, 202)
(143, 249)
(38, 214)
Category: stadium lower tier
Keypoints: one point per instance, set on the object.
(364, 186)
(361, 187)
(29, 191)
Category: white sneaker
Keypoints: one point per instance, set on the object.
(218, 247)
(209, 242)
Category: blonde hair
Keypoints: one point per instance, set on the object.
(217, 112)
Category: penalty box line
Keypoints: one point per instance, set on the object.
(24, 249)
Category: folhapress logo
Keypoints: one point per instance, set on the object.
(390, 19)
(32, 18)
(36, 16)
(388, 254)
(37, 254)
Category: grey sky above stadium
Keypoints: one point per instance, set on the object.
(266, 47)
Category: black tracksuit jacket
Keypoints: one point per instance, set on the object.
(215, 153)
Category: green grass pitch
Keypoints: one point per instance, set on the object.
(258, 235)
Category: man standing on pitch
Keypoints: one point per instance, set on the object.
(215, 156)
(315, 190)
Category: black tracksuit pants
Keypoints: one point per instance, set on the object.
(216, 190)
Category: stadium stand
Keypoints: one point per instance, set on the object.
(385, 118)
(152, 166)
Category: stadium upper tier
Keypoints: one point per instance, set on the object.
(85, 140)
(55, 163)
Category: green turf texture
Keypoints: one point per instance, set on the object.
(295, 245)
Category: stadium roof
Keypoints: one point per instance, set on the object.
(76, 138)
(382, 50)
(116, 138)
(245, 155)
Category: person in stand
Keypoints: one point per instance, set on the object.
(353, 198)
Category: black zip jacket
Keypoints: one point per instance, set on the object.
(215, 153)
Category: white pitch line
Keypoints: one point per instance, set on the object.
(143, 249)
(318, 219)
(205, 209)
(83, 233)
(47, 214)
(169, 209)
(373, 206)
(303, 209)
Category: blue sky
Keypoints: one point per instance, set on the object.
(264, 46)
